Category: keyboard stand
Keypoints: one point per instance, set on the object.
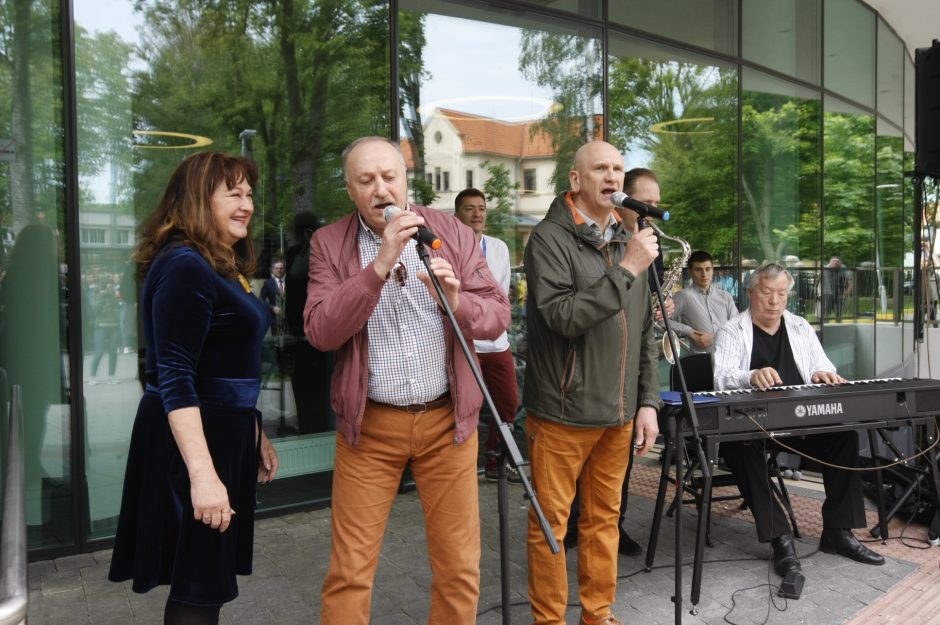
(709, 444)
(906, 472)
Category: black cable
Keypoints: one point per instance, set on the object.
(771, 591)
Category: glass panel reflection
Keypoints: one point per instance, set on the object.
(506, 117)
(674, 112)
(890, 75)
(852, 284)
(893, 296)
(710, 24)
(34, 296)
(783, 35)
(849, 50)
(781, 183)
(158, 81)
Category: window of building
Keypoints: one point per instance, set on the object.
(122, 237)
(469, 180)
(528, 180)
(446, 182)
(93, 236)
(437, 178)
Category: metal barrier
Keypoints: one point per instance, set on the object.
(14, 593)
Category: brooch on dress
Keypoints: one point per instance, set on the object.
(242, 280)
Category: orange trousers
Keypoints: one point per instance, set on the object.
(561, 456)
(365, 483)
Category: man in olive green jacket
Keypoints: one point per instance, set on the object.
(591, 374)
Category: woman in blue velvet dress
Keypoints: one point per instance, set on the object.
(197, 448)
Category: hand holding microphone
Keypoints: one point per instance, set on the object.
(442, 269)
(423, 234)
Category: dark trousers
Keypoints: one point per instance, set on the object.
(499, 373)
(844, 507)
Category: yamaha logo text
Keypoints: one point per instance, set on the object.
(814, 410)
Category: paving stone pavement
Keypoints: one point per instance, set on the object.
(292, 552)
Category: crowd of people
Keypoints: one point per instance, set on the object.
(360, 311)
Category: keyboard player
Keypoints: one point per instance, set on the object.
(768, 346)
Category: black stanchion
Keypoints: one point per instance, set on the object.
(688, 415)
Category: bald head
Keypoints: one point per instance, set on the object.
(597, 173)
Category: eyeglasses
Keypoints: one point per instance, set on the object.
(401, 274)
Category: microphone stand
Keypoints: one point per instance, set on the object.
(688, 414)
(509, 447)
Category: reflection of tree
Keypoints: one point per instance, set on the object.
(850, 176)
(411, 74)
(499, 191)
(16, 57)
(780, 183)
(571, 66)
(104, 120)
(302, 73)
(695, 163)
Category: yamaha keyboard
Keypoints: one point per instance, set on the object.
(795, 407)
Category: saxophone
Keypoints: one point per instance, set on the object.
(670, 279)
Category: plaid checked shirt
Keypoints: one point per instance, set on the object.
(407, 351)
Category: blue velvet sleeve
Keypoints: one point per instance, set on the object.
(184, 294)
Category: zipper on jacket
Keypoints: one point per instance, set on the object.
(623, 350)
(567, 377)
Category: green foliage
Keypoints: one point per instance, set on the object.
(571, 66)
(302, 74)
(849, 162)
(500, 194)
(780, 182)
(422, 191)
(694, 160)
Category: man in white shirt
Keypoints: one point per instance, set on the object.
(700, 309)
(496, 363)
(766, 346)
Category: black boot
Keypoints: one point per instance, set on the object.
(627, 546)
(785, 559)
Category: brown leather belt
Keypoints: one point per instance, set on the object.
(418, 407)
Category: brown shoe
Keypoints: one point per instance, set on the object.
(610, 619)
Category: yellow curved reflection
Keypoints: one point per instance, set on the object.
(197, 140)
(661, 127)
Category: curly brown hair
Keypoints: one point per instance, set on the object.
(184, 214)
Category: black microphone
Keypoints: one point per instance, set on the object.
(423, 234)
(621, 199)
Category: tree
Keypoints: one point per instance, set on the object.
(650, 103)
(302, 73)
(499, 193)
(411, 75)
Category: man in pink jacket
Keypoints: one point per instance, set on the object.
(402, 390)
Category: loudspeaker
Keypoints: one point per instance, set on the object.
(927, 112)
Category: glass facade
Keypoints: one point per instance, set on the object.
(779, 130)
(783, 35)
(35, 298)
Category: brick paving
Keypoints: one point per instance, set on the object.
(292, 551)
